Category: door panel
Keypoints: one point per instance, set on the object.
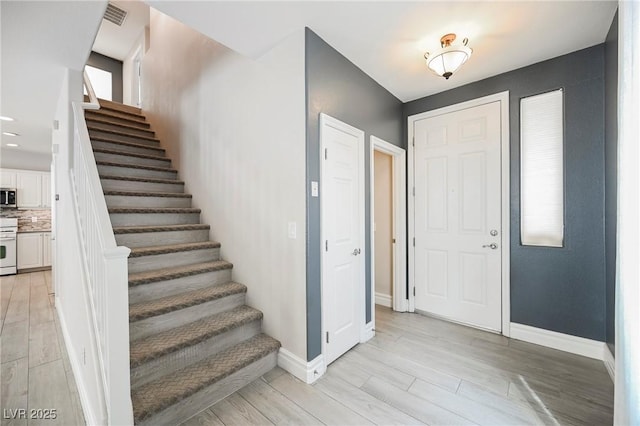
(457, 204)
(342, 229)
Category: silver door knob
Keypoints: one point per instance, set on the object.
(356, 252)
(492, 246)
(493, 233)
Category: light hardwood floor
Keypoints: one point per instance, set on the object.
(35, 372)
(417, 370)
(420, 370)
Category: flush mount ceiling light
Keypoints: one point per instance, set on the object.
(5, 118)
(446, 60)
(12, 145)
(10, 134)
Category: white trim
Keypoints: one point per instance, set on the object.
(89, 414)
(609, 362)
(503, 98)
(368, 332)
(563, 342)
(384, 300)
(326, 120)
(399, 161)
(308, 372)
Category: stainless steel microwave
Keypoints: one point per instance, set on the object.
(8, 198)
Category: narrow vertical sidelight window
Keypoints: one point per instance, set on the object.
(542, 170)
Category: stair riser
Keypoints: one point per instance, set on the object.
(139, 131)
(133, 172)
(160, 323)
(125, 185)
(133, 201)
(140, 219)
(157, 290)
(182, 358)
(127, 159)
(189, 407)
(125, 138)
(126, 148)
(149, 239)
(159, 261)
(118, 117)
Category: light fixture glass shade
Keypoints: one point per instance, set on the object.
(447, 60)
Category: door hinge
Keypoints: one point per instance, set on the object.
(326, 245)
(413, 142)
(414, 292)
(414, 241)
(393, 240)
(327, 337)
(325, 153)
(414, 191)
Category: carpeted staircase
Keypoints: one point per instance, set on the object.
(193, 339)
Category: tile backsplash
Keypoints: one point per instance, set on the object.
(25, 222)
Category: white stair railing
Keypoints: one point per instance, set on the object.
(105, 269)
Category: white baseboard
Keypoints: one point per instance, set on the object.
(609, 362)
(90, 416)
(308, 372)
(384, 300)
(552, 339)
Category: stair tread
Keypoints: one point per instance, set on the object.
(131, 154)
(135, 118)
(120, 230)
(136, 166)
(155, 396)
(168, 304)
(98, 120)
(172, 248)
(175, 272)
(157, 345)
(148, 194)
(141, 179)
(153, 210)
(117, 132)
(119, 106)
(132, 144)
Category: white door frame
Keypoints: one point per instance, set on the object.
(399, 226)
(326, 120)
(503, 98)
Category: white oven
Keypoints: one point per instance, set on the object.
(8, 232)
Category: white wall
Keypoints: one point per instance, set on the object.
(383, 206)
(235, 129)
(70, 301)
(27, 160)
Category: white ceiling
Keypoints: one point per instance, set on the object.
(116, 41)
(386, 39)
(39, 40)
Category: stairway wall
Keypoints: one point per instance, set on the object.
(235, 128)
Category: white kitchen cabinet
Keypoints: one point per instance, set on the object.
(7, 179)
(46, 249)
(29, 247)
(46, 190)
(29, 187)
(34, 250)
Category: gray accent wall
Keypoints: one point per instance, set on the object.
(558, 289)
(610, 173)
(337, 87)
(114, 66)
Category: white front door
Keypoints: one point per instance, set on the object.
(458, 216)
(342, 236)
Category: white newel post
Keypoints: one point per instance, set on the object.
(117, 336)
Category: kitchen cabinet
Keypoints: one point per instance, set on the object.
(46, 190)
(7, 179)
(34, 250)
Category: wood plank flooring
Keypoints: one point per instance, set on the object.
(420, 370)
(417, 370)
(34, 370)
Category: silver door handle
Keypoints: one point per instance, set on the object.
(356, 252)
(492, 246)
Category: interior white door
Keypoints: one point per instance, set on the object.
(457, 216)
(343, 236)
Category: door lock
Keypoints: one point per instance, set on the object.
(356, 252)
(493, 233)
(492, 246)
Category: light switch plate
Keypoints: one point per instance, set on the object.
(34, 219)
(292, 230)
(314, 188)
